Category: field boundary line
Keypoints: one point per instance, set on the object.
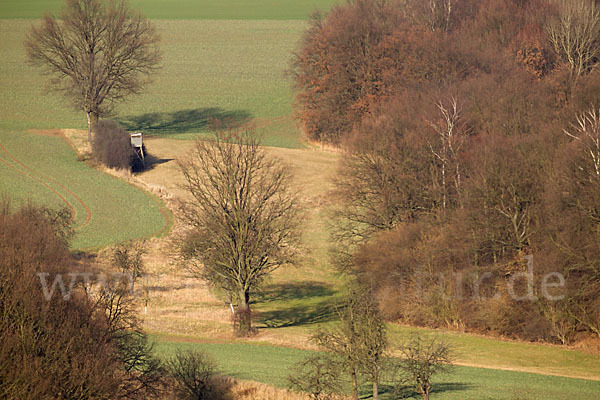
(527, 370)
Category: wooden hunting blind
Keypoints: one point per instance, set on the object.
(137, 141)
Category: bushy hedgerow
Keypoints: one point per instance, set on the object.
(112, 146)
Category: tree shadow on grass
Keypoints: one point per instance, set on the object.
(408, 392)
(293, 291)
(318, 304)
(184, 121)
(151, 161)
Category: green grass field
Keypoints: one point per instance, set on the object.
(185, 9)
(272, 365)
(229, 70)
(107, 210)
(45, 169)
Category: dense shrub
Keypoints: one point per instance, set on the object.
(112, 146)
(193, 372)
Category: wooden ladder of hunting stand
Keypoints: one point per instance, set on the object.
(137, 142)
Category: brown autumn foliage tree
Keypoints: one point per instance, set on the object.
(50, 334)
(97, 53)
(458, 173)
(358, 55)
(381, 181)
(363, 53)
(36, 333)
(501, 196)
(335, 68)
(112, 147)
(575, 211)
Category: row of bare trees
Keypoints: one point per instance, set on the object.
(357, 351)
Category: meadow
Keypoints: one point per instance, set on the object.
(298, 300)
(106, 210)
(272, 365)
(186, 9)
(224, 70)
(226, 60)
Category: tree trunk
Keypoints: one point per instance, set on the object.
(354, 386)
(243, 325)
(375, 383)
(92, 120)
(425, 391)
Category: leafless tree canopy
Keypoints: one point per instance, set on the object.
(96, 53)
(193, 371)
(422, 359)
(243, 216)
(318, 376)
(358, 343)
(88, 346)
(575, 34)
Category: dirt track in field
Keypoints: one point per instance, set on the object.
(28, 172)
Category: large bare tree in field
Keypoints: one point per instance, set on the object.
(97, 52)
(243, 216)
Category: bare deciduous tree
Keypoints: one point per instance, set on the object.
(89, 346)
(587, 132)
(436, 15)
(243, 216)
(422, 359)
(379, 185)
(317, 375)
(579, 187)
(193, 372)
(452, 135)
(359, 342)
(97, 52)
(373, 337)
(575, 34)
(128, 258)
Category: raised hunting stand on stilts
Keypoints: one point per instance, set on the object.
(138, 144)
